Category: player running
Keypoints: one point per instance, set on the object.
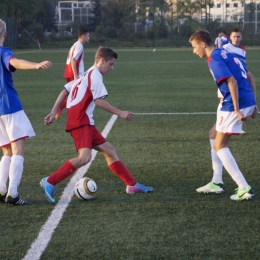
(83, 94)
(238, 105)
(15, 126)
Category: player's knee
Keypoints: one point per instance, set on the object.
(212, 134)
(111, 152)
(83, 160)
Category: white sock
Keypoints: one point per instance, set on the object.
(231, 166)
(16, 171)
(217, 165)
(4, 172)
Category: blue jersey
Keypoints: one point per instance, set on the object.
(223, 65)
(224, 40)
(9, 100)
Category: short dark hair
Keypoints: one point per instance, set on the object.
(82, 32)
(202, 36)
(236, 30)
(105, 53)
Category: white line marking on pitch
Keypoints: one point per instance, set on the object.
(181, 113)
(44, 237)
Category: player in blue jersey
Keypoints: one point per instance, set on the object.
(224, 39)
(15, 126)
(238, 105)
(239, 51)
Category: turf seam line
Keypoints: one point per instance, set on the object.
(41, 242)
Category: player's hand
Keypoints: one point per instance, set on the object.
(49, 119)
(247, 117)
(255, 112)
(44, 65)
(126, 115)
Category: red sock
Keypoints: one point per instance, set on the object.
(62, 173)
(119, 169)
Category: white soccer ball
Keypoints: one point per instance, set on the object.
(85, 188)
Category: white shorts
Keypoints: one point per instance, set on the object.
(14, 127)
(228, 122)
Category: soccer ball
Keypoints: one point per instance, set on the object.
(85, 188)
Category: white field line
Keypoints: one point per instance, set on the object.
(181, 113)
(44, 237)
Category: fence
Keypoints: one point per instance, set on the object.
(11, 26)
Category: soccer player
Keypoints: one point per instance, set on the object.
(224, 39)
(75, 62)
(239, 51)
(218, 41)
(238, 105)
(83, 94)
(15, 126)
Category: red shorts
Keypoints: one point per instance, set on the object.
(86, 137)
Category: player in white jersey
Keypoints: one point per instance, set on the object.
(75, 62)
(15, 126)
(238, 105)
(240, 52)
(83, 94)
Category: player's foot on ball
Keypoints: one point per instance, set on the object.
(246, 194)
(2, 196)
(57, 116)
(138, 188)
(17, 201)
(48, 190)
(242, 132)
(212, 188)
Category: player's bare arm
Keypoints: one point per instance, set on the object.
(28, 65)
(113, 110)
(232, 84)
(251, 80)
(74, 69)
(50, 117)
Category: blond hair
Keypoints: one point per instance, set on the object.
(2, 27)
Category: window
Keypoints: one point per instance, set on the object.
(235, 4)
(218, 5)
(227, 5)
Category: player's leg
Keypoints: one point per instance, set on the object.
(15, 172)
(216, 162)
(4, 170)
(18, 128)
(120, 170)
(67, 169)
(223, 152)
(216, 185)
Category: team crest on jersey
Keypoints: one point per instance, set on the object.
(224, 54)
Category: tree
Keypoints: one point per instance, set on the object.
(118, 17)
(97, 14)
